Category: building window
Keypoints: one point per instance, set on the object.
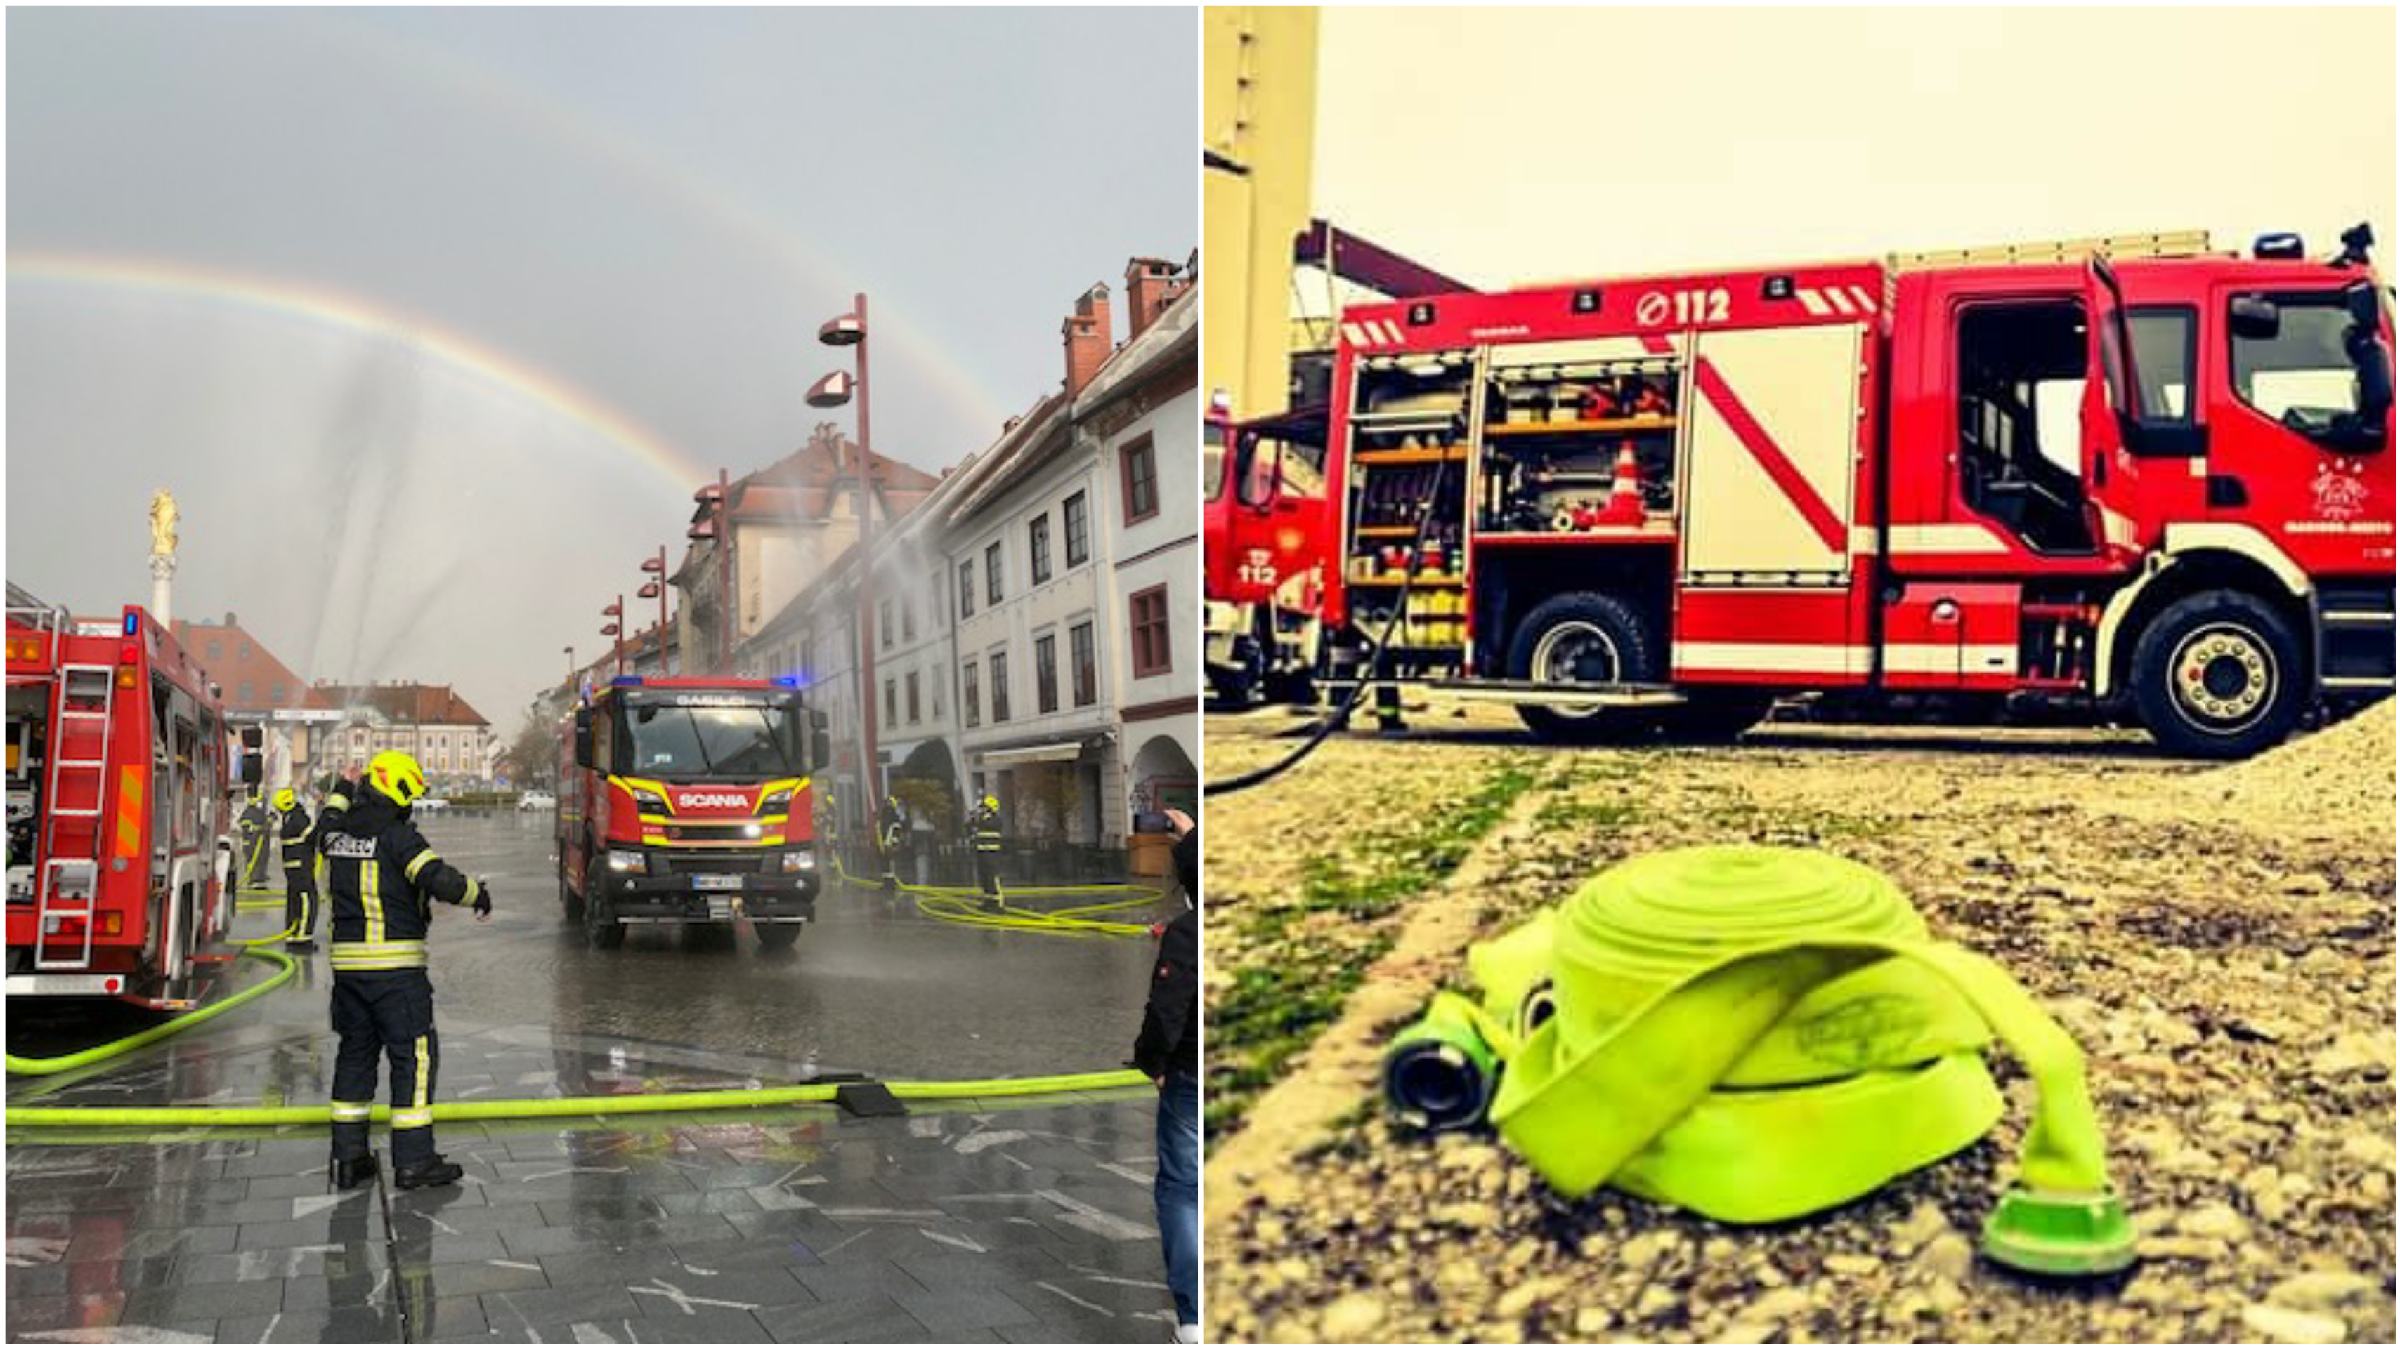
(216, 652)
(245, 652)
(967, 690)
(1151, 653)
(999, 686)
(991, 573)
(937, 698)
(1087, 666)
(908, 618)
(883, 621)
(891, 703)
(1079, 529)
(966, 588)
(277, 693)
(1037, 539)
(914, 713)
(1045, 671)
(245, 691)
(1139, 463)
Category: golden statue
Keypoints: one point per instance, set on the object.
(162, 523)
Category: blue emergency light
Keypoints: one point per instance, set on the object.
(787, 680)
(626, 681)
(133, 623)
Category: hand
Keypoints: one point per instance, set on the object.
(483, 900)
(1180, 822)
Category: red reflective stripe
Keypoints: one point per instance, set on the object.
(1796, 489)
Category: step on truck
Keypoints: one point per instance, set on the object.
(119, 759)
(2129, 475)
(685, 802)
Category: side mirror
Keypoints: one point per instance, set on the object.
(2365, 306)
(583, 738)
(2257, 319)
(254, 755)
(820, 749)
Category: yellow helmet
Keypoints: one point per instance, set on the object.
(285, 800)
(991, 802)
(397, 776)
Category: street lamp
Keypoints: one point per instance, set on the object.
(615, 613)
(834, 390)
(656, 588)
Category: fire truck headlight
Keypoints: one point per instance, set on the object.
(627, 863)
(753, 831)
(775, 802)
(799, 861)
(649, 802)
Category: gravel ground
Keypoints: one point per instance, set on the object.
(2219, 939)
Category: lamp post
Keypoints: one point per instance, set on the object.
(834, 390)
(656, 588)
(614, 629)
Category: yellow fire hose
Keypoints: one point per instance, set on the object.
(963, 904)
(36, 1067)
(1758, 1034)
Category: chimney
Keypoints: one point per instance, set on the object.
(1150, 286)
(1087, 338)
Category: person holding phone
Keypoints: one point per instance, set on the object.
(1168, 1052)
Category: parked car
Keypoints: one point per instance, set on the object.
(537, 800)
(433, 802)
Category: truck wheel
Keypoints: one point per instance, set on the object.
(2218, 675)
(601, 926)
(570, 903)
(1584, 638)
(775, 935)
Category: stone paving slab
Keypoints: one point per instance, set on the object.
(1030, 1224)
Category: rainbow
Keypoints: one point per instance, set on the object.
(352, 313)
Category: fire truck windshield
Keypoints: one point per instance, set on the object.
(724, 743)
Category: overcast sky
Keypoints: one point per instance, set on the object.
(1516, 145)
(433, 319)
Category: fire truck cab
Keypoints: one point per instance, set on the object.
(2129, 474)
(686, 801)
(117, 756)
(1268, 533)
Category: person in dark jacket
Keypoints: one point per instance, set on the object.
(253, 825)
(299, 871)
(1168, 1052)
(382, 879)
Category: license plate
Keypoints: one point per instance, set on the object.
(716, 882)
(720, 910)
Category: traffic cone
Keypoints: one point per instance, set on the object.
(1625, 488)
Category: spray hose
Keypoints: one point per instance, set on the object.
(35, 1067)
(1758, 1034)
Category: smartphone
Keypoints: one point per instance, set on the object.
(1151, 821)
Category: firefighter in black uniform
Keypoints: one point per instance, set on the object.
(253, 826)
(892, 827)
(299, 871)
(383, 879)
(983, 831)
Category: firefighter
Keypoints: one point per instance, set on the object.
(383, 879)
(892, 826)
(983, 831)
(254, 844)
(299, 871)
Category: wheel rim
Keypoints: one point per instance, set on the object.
(1576, 652)
(2223, 678)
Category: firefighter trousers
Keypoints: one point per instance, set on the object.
(388, 1012)
(299, 901)
(987, 872)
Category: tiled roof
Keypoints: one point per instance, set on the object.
(407, 703)
(247, 671)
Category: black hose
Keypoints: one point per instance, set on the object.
(1340, 716)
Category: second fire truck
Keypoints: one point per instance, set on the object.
(686, 801)
(2131, 474)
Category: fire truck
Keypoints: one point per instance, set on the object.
(118, 763)
(685, 801)
(1268, 530)
(2129, 474)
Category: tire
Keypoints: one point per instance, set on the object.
(1716, 717)
(775, 936)
(601, 927)
(570, 903)
(1608, 640)
(2219, 674)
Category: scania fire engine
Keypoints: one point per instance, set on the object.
(117, 794)
(684, 801)
(2129, 474)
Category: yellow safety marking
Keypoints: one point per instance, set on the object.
(419, 1098)
(129, 812)
(403, 1119)
(370, 895)
(345, 1112)
(422, 860)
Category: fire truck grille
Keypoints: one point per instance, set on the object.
(714, 863)
(713, 832)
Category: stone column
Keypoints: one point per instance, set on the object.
(162, 589)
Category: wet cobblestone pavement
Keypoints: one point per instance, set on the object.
(969, 1221)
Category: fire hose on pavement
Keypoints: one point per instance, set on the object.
(1759, 1034)
(963, 904)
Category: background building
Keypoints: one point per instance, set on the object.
(260, 689)
(451, 741)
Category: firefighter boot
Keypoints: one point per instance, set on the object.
(350, 1172)
(430, 1172)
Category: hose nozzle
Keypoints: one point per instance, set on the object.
(2074, 1235)
(1440, 1074)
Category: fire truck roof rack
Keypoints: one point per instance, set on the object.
(2174, 243)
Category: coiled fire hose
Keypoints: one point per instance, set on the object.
(1758, 1034)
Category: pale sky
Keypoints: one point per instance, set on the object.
(1514, 145)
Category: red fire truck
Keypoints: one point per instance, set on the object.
(684, 801)
(117, 794)
(1267, 526)
(2129, 474)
